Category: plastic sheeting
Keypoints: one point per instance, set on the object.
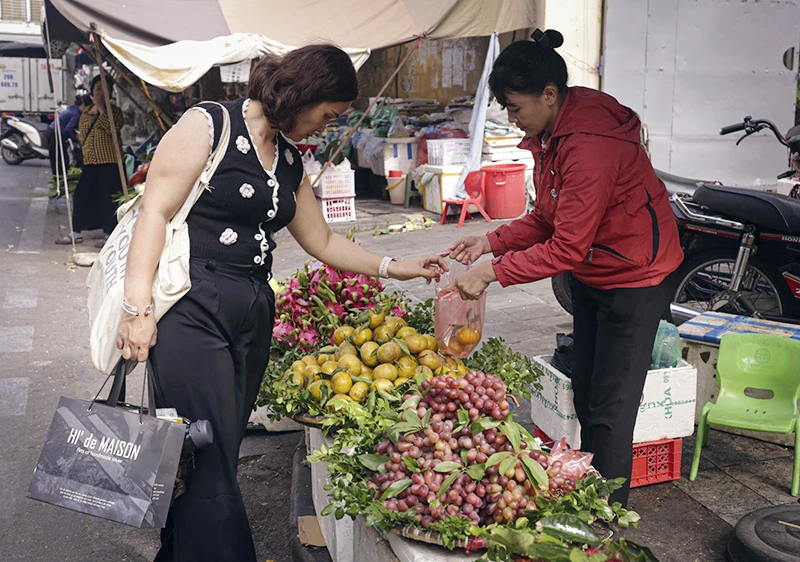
(478, 122)
(177, 66)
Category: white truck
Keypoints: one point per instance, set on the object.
(25, 89)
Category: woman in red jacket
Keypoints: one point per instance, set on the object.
(601, 213)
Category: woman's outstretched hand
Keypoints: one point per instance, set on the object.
(468, 249)
(429, 267)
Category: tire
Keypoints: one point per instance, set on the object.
(9, 156)
(779, 303)
(562, 290)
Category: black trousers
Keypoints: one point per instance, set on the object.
(211, 354)
(93, 201)
(614, 333)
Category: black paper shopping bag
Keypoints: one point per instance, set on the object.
(111, 462)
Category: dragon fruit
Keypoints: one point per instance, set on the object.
(316, 299)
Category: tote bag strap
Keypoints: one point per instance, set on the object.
(211, 166)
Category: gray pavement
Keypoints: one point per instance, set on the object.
(44, 353)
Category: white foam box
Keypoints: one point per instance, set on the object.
(443, 186)
(666, 410)
(338, 534)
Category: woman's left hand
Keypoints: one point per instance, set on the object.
(429, 267)
(473, 283)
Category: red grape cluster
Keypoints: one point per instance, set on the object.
(493, 497)
(478, 393)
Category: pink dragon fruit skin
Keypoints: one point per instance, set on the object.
(332, 275)
(337, 309)
(399, 312)
(308, 338)
(282, 332)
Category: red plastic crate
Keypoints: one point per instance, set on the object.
(653, 462)
(656, 461)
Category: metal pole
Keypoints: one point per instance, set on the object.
(348, 134)
(110, 116)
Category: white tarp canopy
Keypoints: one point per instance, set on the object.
(171, 43)
(177, 66)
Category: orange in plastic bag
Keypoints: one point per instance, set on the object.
(458, 324)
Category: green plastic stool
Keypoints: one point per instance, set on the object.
(755, 361)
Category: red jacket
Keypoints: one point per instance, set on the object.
(600, 209)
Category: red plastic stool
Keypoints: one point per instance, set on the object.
(474, 185)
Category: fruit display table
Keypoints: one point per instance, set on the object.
(700, 339)
(350, 541)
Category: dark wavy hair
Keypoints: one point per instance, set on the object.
(527, 67)
(300, 79)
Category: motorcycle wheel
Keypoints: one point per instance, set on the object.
(703, 278)
(562, 290)
(11, 157)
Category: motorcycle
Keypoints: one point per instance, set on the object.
(742, 247)
(23, 139)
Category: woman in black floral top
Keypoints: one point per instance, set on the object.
(211, 349)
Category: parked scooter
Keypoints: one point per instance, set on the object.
(742, 247)
(23, 139)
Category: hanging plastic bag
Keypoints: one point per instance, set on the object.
(667, 347)
(398, 129)
(310, 164)
(572, 464)
(458, 324)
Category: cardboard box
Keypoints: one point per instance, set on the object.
(665, 411)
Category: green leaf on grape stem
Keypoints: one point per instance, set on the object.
(411, 417)
(497, 458)
(464, 456)
(446, 466)
(388, 396)
(447, 483)
(476, 471)
(373, 462)
(412, 402)
(463, 417)
(529, 439)
(507, 464)
(482, 424)
(393, 490)
(511, 430)
(535, 471)
(412, 464)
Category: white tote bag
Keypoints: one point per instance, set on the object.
(106, 280)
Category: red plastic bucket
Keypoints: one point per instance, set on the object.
(504, 191)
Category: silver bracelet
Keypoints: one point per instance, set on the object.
(383, 269)
(134, 310)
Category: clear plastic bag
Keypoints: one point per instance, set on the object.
(458, 324)
(667, 347)
(574, 464)
(398, 129)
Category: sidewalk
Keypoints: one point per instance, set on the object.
(682, 520)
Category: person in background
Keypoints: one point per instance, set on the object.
(93, 201)
(210, 350)
(68, 123)
(601, 213)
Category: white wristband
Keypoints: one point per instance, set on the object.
(383, 269)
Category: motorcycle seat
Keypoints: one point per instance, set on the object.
(39, 126)
(769, 211)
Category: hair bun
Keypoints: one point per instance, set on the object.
(550, 39)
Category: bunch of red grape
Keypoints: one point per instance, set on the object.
(477, 393)
(492, 497)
